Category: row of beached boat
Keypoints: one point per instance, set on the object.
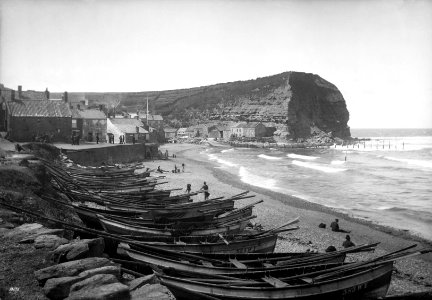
(209, 250)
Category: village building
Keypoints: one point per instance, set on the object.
(250, 130)
(155, 121)
(181, 132)
(89, 124)
(31, 120)
(197, 131)
(170, 133)
(129, 128)
(219, 132)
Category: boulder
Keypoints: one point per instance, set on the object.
(71, 268)
(114, 270)
(152, 292)
(78, 249)
(103, 292)
(30, 238)
(93, 282)
(49, 241)
(59, 288)
(141, 281)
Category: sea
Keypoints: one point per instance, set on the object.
(385, 178)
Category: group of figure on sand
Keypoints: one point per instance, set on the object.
(204, 189)
(176, 170)
(335, 227)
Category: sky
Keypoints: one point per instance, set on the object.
(378, 53)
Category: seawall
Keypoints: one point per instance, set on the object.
(114, 154)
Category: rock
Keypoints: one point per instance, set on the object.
(59, 288)
(40, 231)
(79, 249)
(141, 281)
(103, 292)
(49, 241)
(71, 268)
(152, 292)
(7, 225)
(93, 282)
(114, 270)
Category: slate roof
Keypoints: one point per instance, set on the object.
(150, 117)
(94, 114)
(247, 125)
(29, 108)
(128, 125)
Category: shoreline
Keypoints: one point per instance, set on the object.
(413, 274)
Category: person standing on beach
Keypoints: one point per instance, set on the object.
(183, 165)
(205, 188)
(188, 188)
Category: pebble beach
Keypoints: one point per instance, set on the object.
(411, 275)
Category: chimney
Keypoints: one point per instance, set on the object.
(47, 93)
(19, 91)
(65, 97)
(13, 95)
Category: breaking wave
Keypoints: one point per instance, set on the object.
(317, 167)
(227, 150)
(256, 180)
(305, 157)
(269, 157)
(221, 161)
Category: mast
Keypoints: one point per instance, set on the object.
(147, 111)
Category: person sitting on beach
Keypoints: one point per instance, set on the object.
(335, 226)
(347, 243)
(159, 169)
(205, 188)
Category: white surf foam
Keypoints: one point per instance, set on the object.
(317, 167)
(269, 157)
(337, 162)
(227, 150)
(298, 156)
(256, 180)
(221, 161)
(417, 162)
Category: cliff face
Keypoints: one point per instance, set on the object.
(304, 102)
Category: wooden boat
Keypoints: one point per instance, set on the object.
(229, 264)
(114, 226)
(358, 283)
(261, 244)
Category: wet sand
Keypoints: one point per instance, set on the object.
(412, 275)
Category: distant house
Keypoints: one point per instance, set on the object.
(181, 132)
(250, 130)
(197, 131)
(129, 128)
(219, 132)
(155, 121)
(89, 124)
(29, 119)
(170, 133)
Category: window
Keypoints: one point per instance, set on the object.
(74, 123)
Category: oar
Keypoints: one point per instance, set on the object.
(294, 221)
